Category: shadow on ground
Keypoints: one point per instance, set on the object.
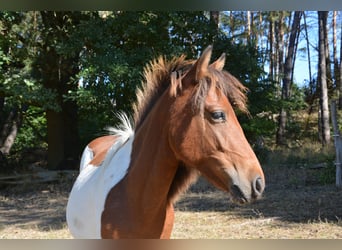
(288, 197)
(41, 206)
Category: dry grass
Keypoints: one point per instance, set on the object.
(34, 212)
(293, 206)
(284, 213)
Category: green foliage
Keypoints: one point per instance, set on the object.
(328, 175)
(33, 130)
(117, 49)
(17, 48)
(48, 59)
(24, 91)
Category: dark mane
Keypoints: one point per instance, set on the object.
(231, 87)
(157, 78)
(159, 74)
(181, 182)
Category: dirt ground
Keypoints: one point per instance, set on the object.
(293, 206)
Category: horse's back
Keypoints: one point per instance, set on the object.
(104, 163)
(96, 150)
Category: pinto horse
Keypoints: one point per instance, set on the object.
(184, 125)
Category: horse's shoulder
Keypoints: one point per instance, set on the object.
(100, 147)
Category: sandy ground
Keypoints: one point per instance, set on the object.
(292, 207)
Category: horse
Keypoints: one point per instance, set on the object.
(183, 126)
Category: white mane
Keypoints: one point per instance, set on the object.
(124, 130)
(125, 127)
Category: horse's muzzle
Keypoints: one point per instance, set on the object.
(243, 196)
(257, 187)
(238, 196)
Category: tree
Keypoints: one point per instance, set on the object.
(10, 119)
(17, 87)
(339, 84)
(55, 67)
(64, 74)
(215, 19)
(37, 74)
(322, 72)
(337, 64)
(287, 77)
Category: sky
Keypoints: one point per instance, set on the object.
(301, 71)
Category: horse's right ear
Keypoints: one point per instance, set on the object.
(200, 68)
(219, 63)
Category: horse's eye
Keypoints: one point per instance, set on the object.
(218, 116)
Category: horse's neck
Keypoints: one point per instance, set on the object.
(153, 164)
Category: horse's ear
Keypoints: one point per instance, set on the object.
(202, 63)
(219, 63)
(200, 67)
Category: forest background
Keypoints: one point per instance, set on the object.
(65, 74)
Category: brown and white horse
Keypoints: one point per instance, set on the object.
(184, 125)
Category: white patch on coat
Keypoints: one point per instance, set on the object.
(87, 156)
(88, 195)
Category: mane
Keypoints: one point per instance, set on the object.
(230, 86)
(160, 73)
(157, 78)
(124, 128)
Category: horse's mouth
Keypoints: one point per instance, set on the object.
(238, 196)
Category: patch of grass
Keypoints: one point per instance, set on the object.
(34, 232)
(293, 207)
(327, 175)
(305, 154)
(314, 163)
(236, 228)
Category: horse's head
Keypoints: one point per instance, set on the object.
(205, 133)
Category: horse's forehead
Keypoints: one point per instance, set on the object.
(216, 97)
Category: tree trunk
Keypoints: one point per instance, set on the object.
(259, 32)
(336, 66)
(312, 85)
(324, 105)
(340, 75)
(296, 47)
(9, 130)
(291, 51)
(279, 33)
(215, 17)
(338, 144)
(55, 138)
(57, 71)
(2, 105)
(214, 20)
(327, 53)
(287, 76)
(248, 26)
(232, 25)
(308, 51)
(271, 44)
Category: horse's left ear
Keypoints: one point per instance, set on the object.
(219, 63)
(200, 67)
(202, 63)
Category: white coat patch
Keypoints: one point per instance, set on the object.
(87, 197)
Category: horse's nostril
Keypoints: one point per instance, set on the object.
(258, 187)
